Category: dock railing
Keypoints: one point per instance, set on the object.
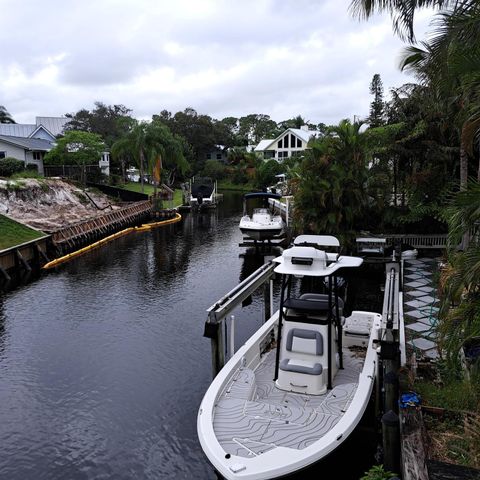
(285, 209)
(419, 240)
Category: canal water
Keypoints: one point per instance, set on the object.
(103, 363)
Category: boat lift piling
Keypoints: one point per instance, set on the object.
(390, 357)
(217, 313)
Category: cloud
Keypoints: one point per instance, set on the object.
(224, 58)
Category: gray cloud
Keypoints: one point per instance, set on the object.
(279, 57)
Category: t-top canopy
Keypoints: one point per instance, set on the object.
(248, 196)
(312, 262)
(317, 240)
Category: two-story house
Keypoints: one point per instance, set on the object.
(291, 142)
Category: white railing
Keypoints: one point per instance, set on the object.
(285, 209)
(437, 241)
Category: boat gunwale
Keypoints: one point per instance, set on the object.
(292, 459)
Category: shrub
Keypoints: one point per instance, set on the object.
(9, 166)
(214, 169)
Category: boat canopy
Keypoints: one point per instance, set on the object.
(312, 262)
(248, 196)
(317, 240)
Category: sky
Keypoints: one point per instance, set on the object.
(221, 57)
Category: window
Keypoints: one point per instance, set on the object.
(292, 141)
(280, 144)
(299, 143)
(285, 141)
(209, 156)
(3, 155)
(219, 156)
(37, 155)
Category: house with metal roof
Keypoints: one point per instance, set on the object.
(47, 128)
(291, 142)
(28, 150)
(30, 142)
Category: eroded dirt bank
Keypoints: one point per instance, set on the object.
(50, 204)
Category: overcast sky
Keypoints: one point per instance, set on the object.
(221, 57)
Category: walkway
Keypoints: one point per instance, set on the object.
(420, 306)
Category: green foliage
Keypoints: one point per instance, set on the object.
(265, 173)
(27, 174)
(9, 166)
(110, 122)
(76, 148)
(214, 169)
(377, 472)
(5, 117)
(332, 195)
(377, 107)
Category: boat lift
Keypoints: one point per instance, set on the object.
(219, 311)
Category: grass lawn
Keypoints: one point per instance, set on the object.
(148, 189)
(13, 233)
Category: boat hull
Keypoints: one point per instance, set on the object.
(261, 234)
(279, 461)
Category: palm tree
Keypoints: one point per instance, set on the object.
(402, 12)
(5, 117)
(332, 194)
(450, 64)
(122, 150)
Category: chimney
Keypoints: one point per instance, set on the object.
(305, 128)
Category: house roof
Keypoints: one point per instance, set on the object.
(16, 129)
(263, 145)
(27, 143)
(54, 125)
(304, 135)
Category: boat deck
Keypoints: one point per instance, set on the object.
(252, 416)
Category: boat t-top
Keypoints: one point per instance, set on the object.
(263, 224)
(300, 385)
(202, 192)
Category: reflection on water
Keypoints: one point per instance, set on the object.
(103, 363)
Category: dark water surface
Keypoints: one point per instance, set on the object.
(103, 363)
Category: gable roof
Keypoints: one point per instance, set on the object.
(17, 129)
(304, 135)
(263, 145)
(41, 127)
(54, 125)
(28, 143)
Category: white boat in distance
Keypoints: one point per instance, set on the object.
(271, 411)
(263, 224)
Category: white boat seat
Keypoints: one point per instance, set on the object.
(302, 340)
(300, 366)
(302, 371)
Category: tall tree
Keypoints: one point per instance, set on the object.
(377, 107)
(5, 117)
(111, 122)
(450, 64)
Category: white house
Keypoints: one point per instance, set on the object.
(289, 143)
(28, 150)
(30, 142)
